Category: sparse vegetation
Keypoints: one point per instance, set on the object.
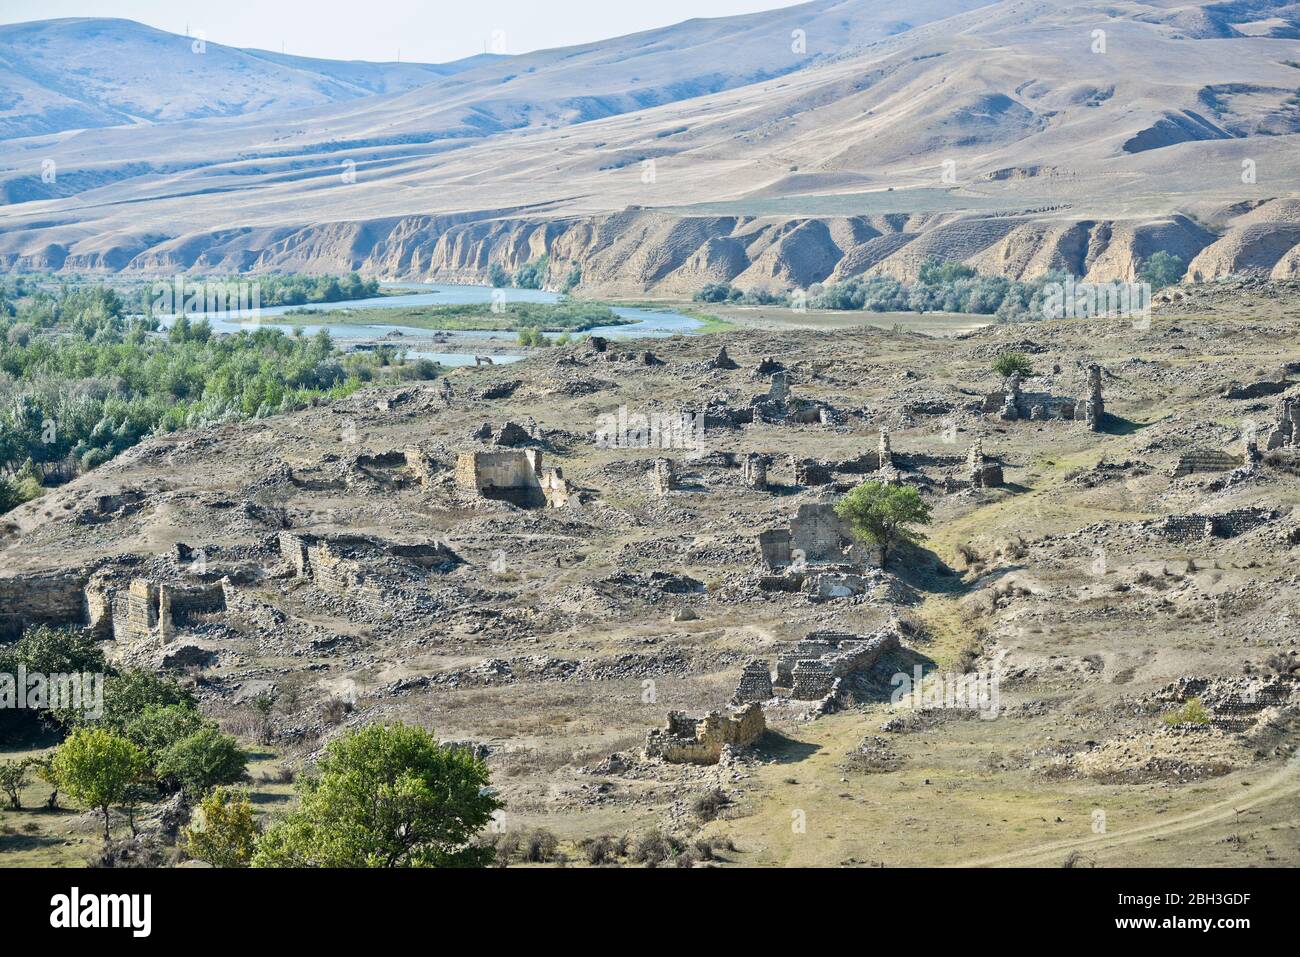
(1009, 363)
(1193, 711)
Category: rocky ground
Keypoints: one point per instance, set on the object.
(556, 637)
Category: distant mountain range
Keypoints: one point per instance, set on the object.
(783, 148)
(86, 73)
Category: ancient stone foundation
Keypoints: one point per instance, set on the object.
(691, 740)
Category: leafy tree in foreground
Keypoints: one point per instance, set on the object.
(884, 514)
(13, 774)
(385, 796)
(224, 833)
(98, 768)
(201, 761)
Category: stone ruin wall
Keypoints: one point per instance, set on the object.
(1187, 528)
(1206, 460)
(53, 598)
(691, 740)
(514, 475)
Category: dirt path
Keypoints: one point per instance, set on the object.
(1285, 783)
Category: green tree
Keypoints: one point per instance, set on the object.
(201, 761)
(498, 278)
(44, 768)
(13, 775)
(1008, 362)
(158, 726)
(1162, 269)
(884, 514)
(97, 768)
(385, 796)
(128, 695)
(224, 832)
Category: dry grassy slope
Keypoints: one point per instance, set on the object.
(1063, 158)
(1083, 651)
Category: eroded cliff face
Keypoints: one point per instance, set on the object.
(648, 251)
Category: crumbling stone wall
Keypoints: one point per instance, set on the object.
(663, 476)
(755, 683)
(981, 471)
(755, 471)
(1091, 408)
(691, 740)
(1185, 528)
(811, 680)
(810, 472)
(53, 598)
(816, 536)
(1286, 433)
(149, 609)
(512, 475)
(844, 653)
(1206, 460)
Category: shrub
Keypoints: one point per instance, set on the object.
(1161, 269)
(884, 514)
(201, 761)
(224, 832)
(1008, 363)
(1193, 711)
(98, 768)
(708, 805)
(13, 775)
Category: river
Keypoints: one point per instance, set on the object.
(431, 343)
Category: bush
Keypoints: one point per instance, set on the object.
(224, 833)
(1162, 269)
(1192, 712)
(13, 775)
(200, 761)
(532, 275)
(708, 805)
(98, 769)
(884, 514)
(1011, 362)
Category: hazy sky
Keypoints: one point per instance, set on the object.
(431, 31)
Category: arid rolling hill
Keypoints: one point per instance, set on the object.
(782, 149)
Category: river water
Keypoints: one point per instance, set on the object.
(429, 343)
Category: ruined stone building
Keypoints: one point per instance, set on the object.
(1011, 403)
(700, 740)
(663, 476)
(755, 471)
(982, 471)
(512, 475)
(816, 535)
(812, 668)
(1286, 432)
